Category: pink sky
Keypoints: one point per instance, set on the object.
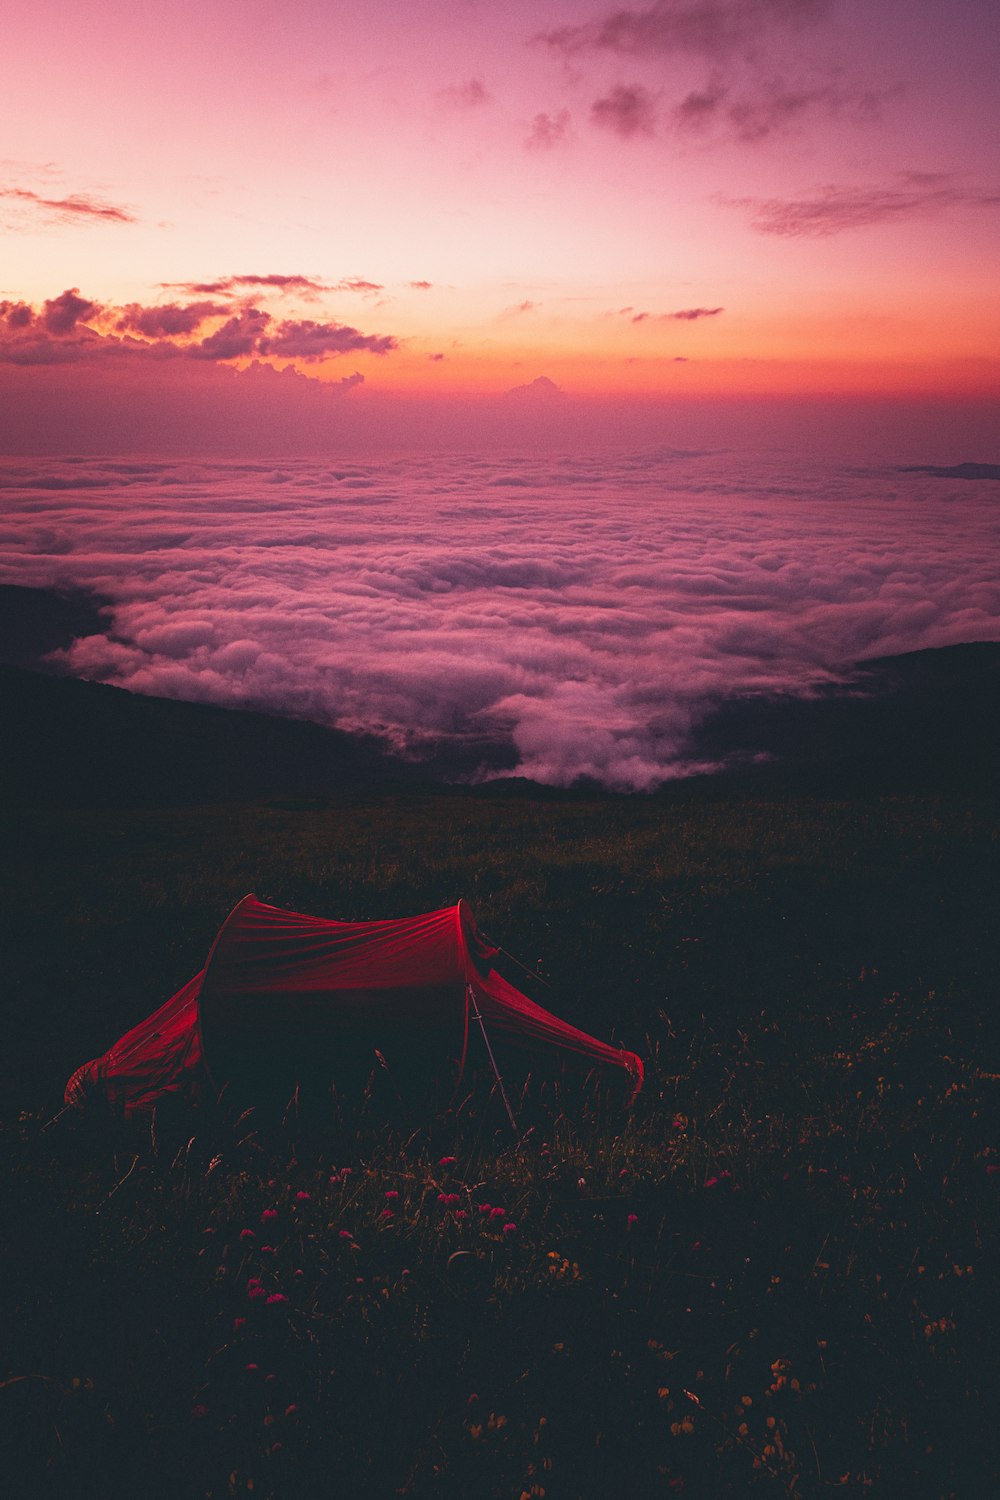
(667, 211)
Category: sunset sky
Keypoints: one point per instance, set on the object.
(425, 206)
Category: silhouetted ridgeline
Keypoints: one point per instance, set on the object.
(929, 719)
(67, 742)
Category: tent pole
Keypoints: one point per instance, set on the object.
(493, 1062)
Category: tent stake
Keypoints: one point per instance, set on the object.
(493, 1062)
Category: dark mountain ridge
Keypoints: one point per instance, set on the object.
(927, 719)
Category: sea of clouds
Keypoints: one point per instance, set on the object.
(587, 613)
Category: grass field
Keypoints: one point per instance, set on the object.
(776, 1275)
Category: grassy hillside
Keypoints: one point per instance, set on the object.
(775, 1276)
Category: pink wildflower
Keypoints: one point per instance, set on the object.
(256, 1292)
(251, 1367)
(460, 1213)
(632, 1220)
(387, 1213)
(391, 1195)
(198, 1411)
(498, 1213)
(447, 1161)
(509, 1229)
(239, 1323)
(268, 1214)
(291, 1410)
(712, 1182)
(448, 1200)
(247, 1234)
(345, 1171)
(277, 1297)
(485, 1208)
(345, 1234)
(268, 1250)
(992, 1167)
(303, 1197)
(624, 1172)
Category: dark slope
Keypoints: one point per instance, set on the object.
(928, 720)
(925, 719)
(34, 622)
(67, 742)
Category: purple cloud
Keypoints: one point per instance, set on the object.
(833, 210)
(358, 284)
(762, 80)
(548, 131)
(304, 339)
(16, 315)
(708, 28)
(169, 320)
(78, 207)
(472, 94)
(61, 314)
(627, 111)
(692, 314)
(227, 286)
(240, 335)
(58, 335)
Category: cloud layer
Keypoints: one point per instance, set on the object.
(586, 612)
(61, 332)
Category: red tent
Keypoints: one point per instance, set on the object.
(331, 987)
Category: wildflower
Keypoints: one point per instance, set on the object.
(291, 1410)
(498, 1213)
(299, 1272)
(632, 1220)
(251, 1366)
(485, 1208)
(712, 1182)
(460, 1213)
(268, 1250)
(991, 1168)
(448, 1200)
(624, 1172)
(509, 1229)
(247, 1234)
(345, 1172)
(277, 1297)
(391, 1195)
(268, 1214)
(239, 1323)
(255, 1293)
(447, 1161)
(387, 1213)
(303, 1197)
(345, 1234)
(198, 1411)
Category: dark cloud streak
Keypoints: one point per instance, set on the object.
(77, 208)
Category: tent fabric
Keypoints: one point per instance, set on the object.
(272, 972)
